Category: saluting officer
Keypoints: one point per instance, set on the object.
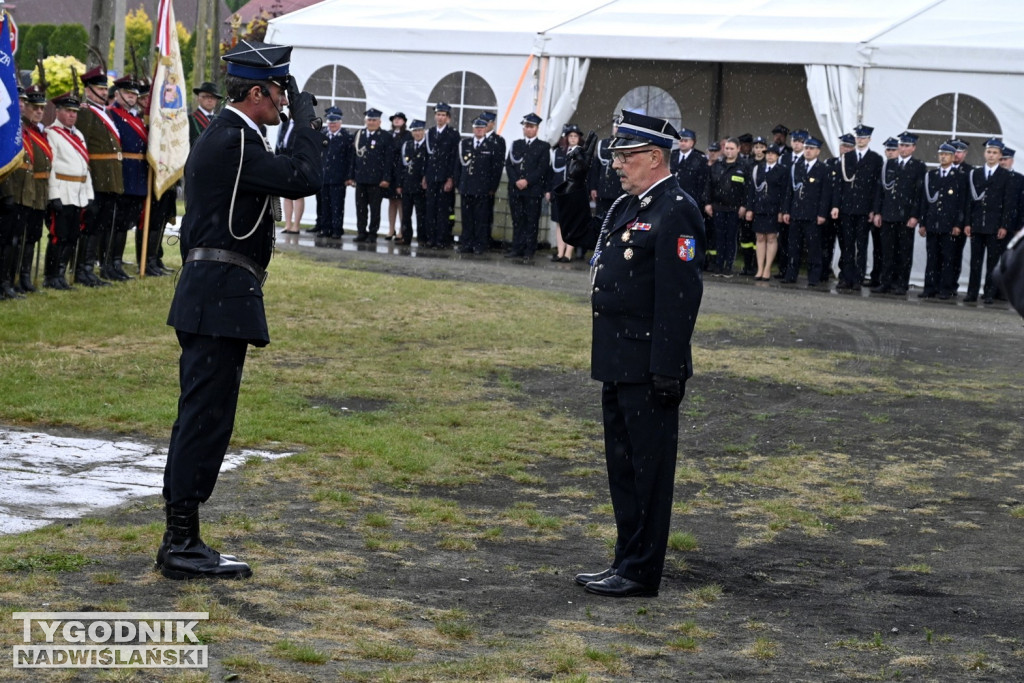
(207, 99)
(860, 171)
(413, 160)
(897, 212)
(70, 190)
(942, 212)
(477, 177)
(337, 161)
(806, 205)
(135, 171)
(227, 238)
(371, 174)
(527, 167)
(30, 190)
(988, 219)
(439, 177)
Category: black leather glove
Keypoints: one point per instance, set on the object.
(577, 162)
(302, 106)
(668, 390)
(55, 205)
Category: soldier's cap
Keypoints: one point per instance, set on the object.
(417, 124)
(780, 129)
(35, 95)
(479, 122)
(67, 101)
(994, 142)
(488, 116)
(799, 135)
(443, 107)
(531, 119)
(209, 88)
(687, 133)
(863, 131)
(258, 61)
(95, 76)
(332, 114)
(373, 113)
(571, 128)
(714, 147)
(812, 142)
(127, 83)
(639, 130)
(760, 141)
(746, 137)
(145, 86)
(908, 138)
(947, 148)
(959, 145)
(848, 139)
(891, 143)
(1009, 152)
(772, 149)
(397, 115)
(616, 119)
(21, 93)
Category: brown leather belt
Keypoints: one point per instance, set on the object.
(42, 175)
(106, 157)
(72, 178)
(133, 155)
(231, 257)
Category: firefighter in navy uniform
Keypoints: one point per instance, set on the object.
(779, 135)
(602, 180)
(765, 194)
(527, 166)
(207, 99)
(943, 206)
(227, 237)
(134, 171)
(500, 149)
(476, 176)
(860, 172)
(727, 190)
(439, 177)
(646, 295)
(830, 231)
(989, 216)
(690, 167)
(371, 174)
(337, 161)
(808, 196)
(413, 160)
(897, 213)
(959, 164)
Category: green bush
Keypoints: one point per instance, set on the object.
(69, 39)
(30, 39)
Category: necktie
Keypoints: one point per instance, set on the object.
(860, 156)
(988, 173)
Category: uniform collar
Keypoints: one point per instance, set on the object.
(650, 189)
(249, 122)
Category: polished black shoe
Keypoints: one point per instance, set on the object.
(620, 587)
(970, 298)
(945, 296)
(925, 294)
(898, 291)
(361, 238)
(987, 300)
(512, 254)
(584, 579)
(183, 555)
(880, 289)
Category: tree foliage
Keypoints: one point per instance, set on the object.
(30, 38)
(69, 39)
(58, 74)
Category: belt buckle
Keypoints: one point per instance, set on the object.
(119, 157)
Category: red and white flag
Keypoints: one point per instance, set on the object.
(168, 115)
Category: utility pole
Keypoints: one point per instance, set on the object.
(101, 24)
(215, 26)
(199, 64)
(120, 15)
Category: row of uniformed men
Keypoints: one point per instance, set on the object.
(85, 179)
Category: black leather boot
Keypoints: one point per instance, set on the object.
(118, 241)
(27, 254)
(63, 259)
(183, 555)
(83, 274)
(7, 268)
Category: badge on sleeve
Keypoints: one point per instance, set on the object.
(687, 248)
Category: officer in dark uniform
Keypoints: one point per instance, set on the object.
(413, 160)
(371, 174)
(439, 177)
(529, 160)
(830, 231)
(690, 167)
(779, 135)
(602, 181)
(897, 212)
(943, 203)
(207, 99)
(795, 154)
(959, 164)
(766, 192)
(806, 206)
(477, 176)
(30, 191)
(860, 170)
(727, 190)
(135, 172)
(497, 144)
(646, 294)
(227, 237)
(1014, 190)
(988, 219)
(337, 161)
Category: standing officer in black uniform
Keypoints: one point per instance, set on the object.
(477, 176)
(690, 167)
(765, 194)
(529, 160)
(943, 203)
(804, 210)
(646, 294)
(897, 212)
(371, 174)
(602, 180)
(830, 231)
(727, 190)
(337, 161)
(779, 135)
(439, 177)
(860, 171)
(413, 160)
(500, 149)
(227, 238)
(988, 218)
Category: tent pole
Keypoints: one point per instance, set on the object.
(716, 104)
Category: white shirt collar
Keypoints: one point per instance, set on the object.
(648, 190)
(249, 122)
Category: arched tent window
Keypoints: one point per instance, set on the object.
(468, 94)
(953, 115)
(336, 86)
(652, 101)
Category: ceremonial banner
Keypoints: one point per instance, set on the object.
(168, 118)
(11, 150)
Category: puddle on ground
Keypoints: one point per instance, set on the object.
(46, 478)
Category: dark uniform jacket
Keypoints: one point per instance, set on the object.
(858, 183)
(134, 138)
(497, 143)
(766, 190)
(413, 162)
(692, 174)
(221, 299)
(338, 153)
(898, 197)
(989, 209)
(29, 184)
(943, 201)
(647, 284)
(442, 151)
(787, 158)
(397, 141)
(373, 157)
(808, 193)
(479, 169)
(727, 184)
(198, 121)
(602, 177)
(529, 161)
(104, 146)
(1015, 195)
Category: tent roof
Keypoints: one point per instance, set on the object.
(954, 35)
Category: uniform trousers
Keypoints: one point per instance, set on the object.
(414, 201)
(65, 226)
(101, 215)
(475, 222)
(209, 376)
(853, 245)
(940, 269)
(440, 210)
(727, 223)
(368, 199)
(897, 246)
(829, 236)
(32, 221)
(331, 210)
(985, 250)
(525, 212)
(804, 234)
(876, 255)
(711, 234)
(641, 437)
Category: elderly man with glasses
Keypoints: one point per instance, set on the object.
(646, 292)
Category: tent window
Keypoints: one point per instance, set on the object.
(469, 95)
(652, 101)
(336, 86)
(954, 115)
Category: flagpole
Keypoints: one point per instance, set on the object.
(145, 222)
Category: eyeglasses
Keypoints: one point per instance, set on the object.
(623, 157)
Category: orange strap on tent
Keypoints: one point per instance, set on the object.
(515, 93)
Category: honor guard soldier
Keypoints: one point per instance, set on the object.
(897, 213)
(498, 145)
(477, 176)
(207, 99)
(10, 231)
(227, 238)
(806, 205)
(529, 160)
(338, 153)
(413, 160)
(105, 158)
(439, 177)
(727, 190)
(135, 171)
(988, 219)
(602, 181)
(371, 174)
(70, 190)
(943, 207)
(646, 294)
(765, 195)
(860, 170)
